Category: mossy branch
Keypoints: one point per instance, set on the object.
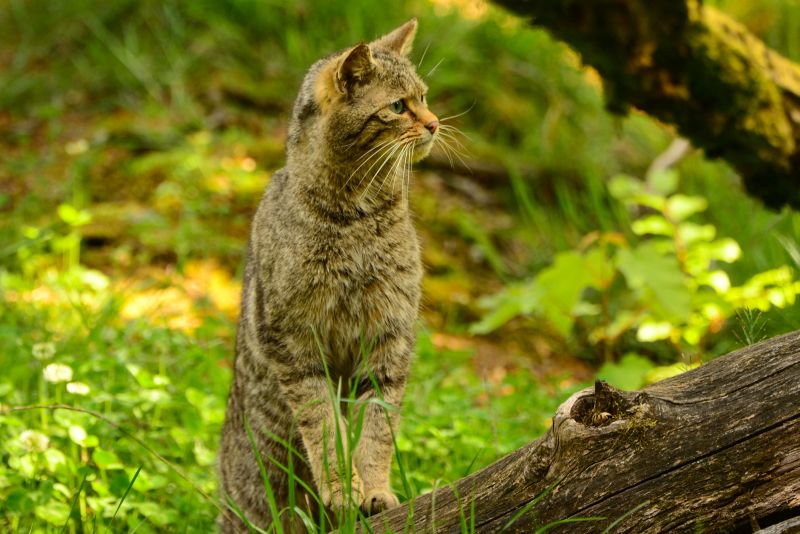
(694, 67)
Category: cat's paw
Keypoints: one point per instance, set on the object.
(337, 497)
(379, 500)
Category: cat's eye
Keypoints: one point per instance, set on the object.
(397, 107)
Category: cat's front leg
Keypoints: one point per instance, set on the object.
(316, 416)
(386, 372)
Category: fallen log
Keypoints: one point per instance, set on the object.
(692, 66)
(716, 449)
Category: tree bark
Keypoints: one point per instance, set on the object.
(716, 449)
(691, 66)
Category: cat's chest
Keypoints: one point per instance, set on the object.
(361, 259)
(357, 274)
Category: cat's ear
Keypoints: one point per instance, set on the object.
(355, 67)
(400, 39)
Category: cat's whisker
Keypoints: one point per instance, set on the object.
(378, 153)
(402, 165)
(423, 55)
(453, 136)
(453, 130)
(434, 68)
(446, 150)
(393, 170)
(377, 172)
(367, 156)
(441, 120)
(399, 171)
(456, 143)
(457, 153)
(382, 158)
(408, 173)
(376, 147)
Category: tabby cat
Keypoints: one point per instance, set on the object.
(333, 265)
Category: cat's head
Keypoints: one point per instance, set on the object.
(365, 108)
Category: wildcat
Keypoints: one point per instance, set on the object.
(333, 262)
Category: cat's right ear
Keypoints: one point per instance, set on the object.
(355, 68)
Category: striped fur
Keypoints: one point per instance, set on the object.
(333, 262)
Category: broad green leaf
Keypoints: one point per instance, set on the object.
(562, 284)
(19, 501)
(53, 512)
(54, 458)
(664, 182)
(654, 330)
(716, 279)
(656, 202)
(106, 459)
(658, 279)
(509, 303)
(725, 249)
(663, 372)
(653, 224)
(622, 322)
(681, 207)
(72, 216)
(690, 233)
(599, 267)
(624, 187)
(628, 373)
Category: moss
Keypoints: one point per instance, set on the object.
(728, 63)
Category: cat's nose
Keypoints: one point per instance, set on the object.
(432, 126)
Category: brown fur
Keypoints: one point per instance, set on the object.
(333, 262)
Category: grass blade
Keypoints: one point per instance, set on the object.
(531, 504)
(273, 505)
(622, 518)
(125, 495)
(72, 506)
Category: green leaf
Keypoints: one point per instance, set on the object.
(658, 280)
(653, 224)
(624, 187)
(562, 285)
(106, 459)
(19, 501)
(628, 374)
(654, 330)
(72, 216)
(78, 435)
(54, 458)
(664, 182)
(509, 303)
(54, 512)
(681, 207)
(725, 249)
(691, 233)
(663, 372)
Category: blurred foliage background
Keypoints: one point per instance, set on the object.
(136, 137)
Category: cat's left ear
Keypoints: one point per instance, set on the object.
(355, 67)
(400, 39)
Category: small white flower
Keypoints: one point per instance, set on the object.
(57, 372)
(43, 351)
(33, 441)
(78, 388)
(76, 147)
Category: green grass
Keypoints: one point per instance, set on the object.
(147, 456)
(135, 140)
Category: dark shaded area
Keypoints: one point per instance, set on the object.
(691, 66)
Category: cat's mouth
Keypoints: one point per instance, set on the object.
(422, 148)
